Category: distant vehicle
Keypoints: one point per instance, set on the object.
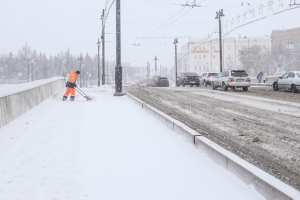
(188, 78)
(159, 81)
(126, 84)
(205, 78)
(231, 79)
(289, 81)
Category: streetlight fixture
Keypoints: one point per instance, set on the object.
(175, 42)
(218, 16)
(98, 43)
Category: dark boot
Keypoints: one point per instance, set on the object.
(72, 98)
(64, 98)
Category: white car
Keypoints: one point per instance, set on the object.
(231, 79)
(289, 81)
(205, 78)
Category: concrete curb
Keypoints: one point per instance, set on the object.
(267, 185)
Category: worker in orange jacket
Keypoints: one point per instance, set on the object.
(71, 84)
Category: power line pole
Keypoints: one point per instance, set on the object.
(155, 66)
(148, 71)
(219, 15)
(80, 60)
(98, 43)
(175, 42)
(118, 72)
(103, 47)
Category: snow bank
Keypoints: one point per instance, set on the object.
(15, 101)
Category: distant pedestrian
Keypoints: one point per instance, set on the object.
(259, 76)
(71, 84)
(265, 76)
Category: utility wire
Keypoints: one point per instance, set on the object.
(159, 27)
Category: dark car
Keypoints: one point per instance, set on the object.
(159, 81)
(188, 78)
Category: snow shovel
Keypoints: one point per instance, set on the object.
(83, 94)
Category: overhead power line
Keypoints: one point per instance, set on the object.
(194, 4)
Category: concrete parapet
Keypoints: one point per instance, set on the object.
(267, 185)
(16, 102)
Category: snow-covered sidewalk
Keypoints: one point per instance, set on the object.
(106, 149)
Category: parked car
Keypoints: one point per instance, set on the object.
(188, 78)
(289, 81)
(231, 79)
(205, 78)
(159, 81)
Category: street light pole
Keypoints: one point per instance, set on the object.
(148, 71)
(218, 16)
(28, 67)
(118, 73)
(98, 43)
(155, 65)
(32, 71)
(175, 42)
(103, 47)
(80, 59)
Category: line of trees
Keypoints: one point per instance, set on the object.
(28, 65)
(276, 61)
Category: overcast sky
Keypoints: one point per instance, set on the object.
(52, 26)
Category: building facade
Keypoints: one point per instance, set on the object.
(290, 38)
(202, 55)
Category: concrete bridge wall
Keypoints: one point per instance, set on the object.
(15, 102)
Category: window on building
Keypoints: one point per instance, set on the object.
(199, 57)
(290, 44)
(204, 57)
(199, 47)
(229, 56)
(203, 48)
(195, 57)
(229, 47)
(213, 47)
(199, 68)
(195, 68)
(237, 47)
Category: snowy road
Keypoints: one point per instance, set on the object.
(259, 126)
(105, 149)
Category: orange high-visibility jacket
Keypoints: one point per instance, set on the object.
(72, 77)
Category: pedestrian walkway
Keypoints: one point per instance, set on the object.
(108, 149)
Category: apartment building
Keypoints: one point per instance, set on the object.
(289, 38)
(200, 55)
